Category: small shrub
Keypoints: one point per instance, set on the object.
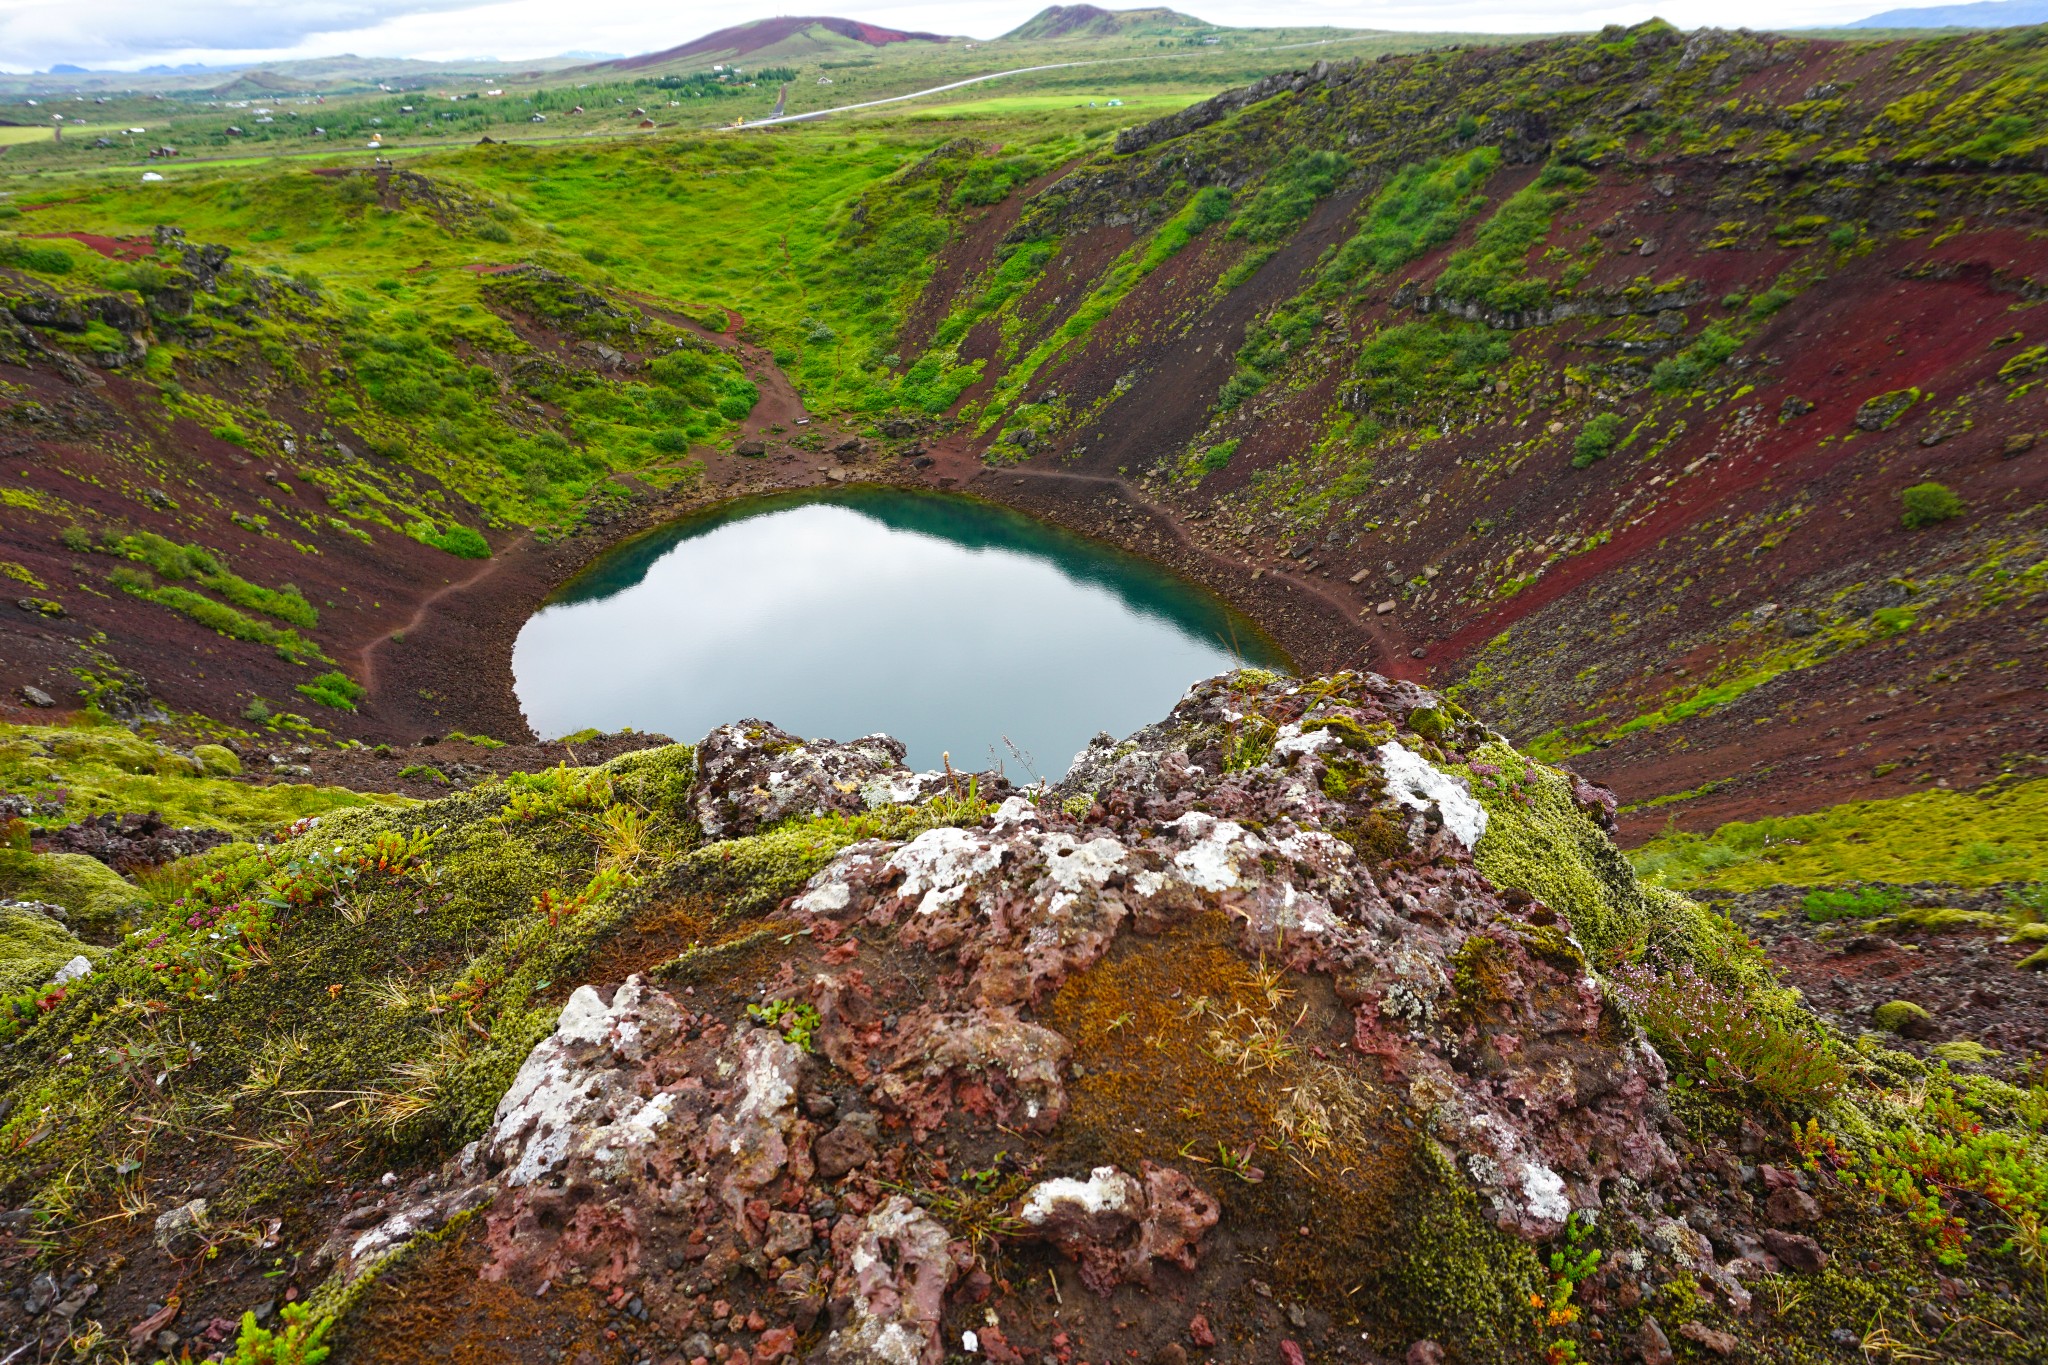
(335, 690)
(1595, 440)
(1769, 302)
(1925, 504)
(1686, 369)
(423, 772)
(47, 260)
(1858, 903)
(300, 1340)
(458, 540)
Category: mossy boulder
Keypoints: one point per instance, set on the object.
(1334, 931)
(33, 945)
(99, 901)
(1904, 1018)
(217, 760)
(121, 749)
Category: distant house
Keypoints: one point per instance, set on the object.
(538, 118)
(647, 123)
(824, 80)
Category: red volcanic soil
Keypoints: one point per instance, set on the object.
(1749, 518)
(742, 39)
(113, 248)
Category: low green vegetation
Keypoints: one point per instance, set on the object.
(1928, 504)
(1408, 371)
(1596, 439)
(1999, 834)
(1420, 208)
(170, 560)
(1288, 195)
(1693, 364)
(334, 689)
(1495, 272)
(1202, 210)
(1856, 903)
(95, 770)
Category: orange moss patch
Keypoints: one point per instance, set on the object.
(433, 1308)
(1191, 1051)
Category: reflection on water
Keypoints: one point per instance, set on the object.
(947, 622)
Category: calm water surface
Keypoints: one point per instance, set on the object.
(949, 623)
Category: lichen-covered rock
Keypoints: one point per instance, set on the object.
(896, 1264)
(1339, 825)
(816, 1152)
(751, 774)
(1116, 1227)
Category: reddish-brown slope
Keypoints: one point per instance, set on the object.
(1703, 562)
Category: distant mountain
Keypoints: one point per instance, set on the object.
(780, 39)
(1089, 21)
(1983, 14)
(258, 83)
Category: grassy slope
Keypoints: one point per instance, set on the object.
(1972, 838)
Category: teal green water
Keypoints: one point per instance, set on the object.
(957, 626)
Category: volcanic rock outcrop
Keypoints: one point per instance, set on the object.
(770, 1173)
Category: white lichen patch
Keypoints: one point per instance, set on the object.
(1418, 784)
(939, 864)
(1210, 859)
(1106, 1190)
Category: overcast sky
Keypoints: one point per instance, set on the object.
(126, 34)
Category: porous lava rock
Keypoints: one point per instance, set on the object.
(1479, 1003)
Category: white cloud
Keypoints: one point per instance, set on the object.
(126, 34)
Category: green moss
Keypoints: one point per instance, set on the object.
(1965, 1050)
(1538, 841)
(754, 872)
(109, 769)
(101, 902)
(32, 946)
(304, 966)
(1896, 1016)
(217, 760)
(1455, 1277)
(1924, 836)
(1943, 919)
